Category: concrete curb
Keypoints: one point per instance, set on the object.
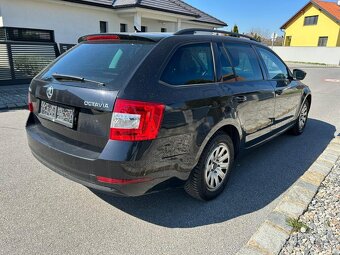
(310, 65)
(274, 232)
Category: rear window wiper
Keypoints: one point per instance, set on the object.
(58, 76)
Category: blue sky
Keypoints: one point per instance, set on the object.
(267, 15)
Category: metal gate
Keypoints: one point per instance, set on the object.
(24, 53)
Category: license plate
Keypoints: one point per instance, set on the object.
(58, 114)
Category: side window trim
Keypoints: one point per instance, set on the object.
(230, 60)
(218, 68)
(213, 54)
(173, 52)
(219, 78)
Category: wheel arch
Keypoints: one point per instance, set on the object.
(307, 96)
(233, 132)
(309, 99)
(229, 127)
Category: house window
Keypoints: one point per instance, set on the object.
(323, 41)
(123, 28)
(103, 26)
(311, 20)
(288, 40)
(163, 30)
(144, 29)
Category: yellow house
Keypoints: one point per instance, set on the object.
(316, 24)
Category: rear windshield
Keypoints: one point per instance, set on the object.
(107, 62)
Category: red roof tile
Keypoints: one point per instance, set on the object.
(331, 7)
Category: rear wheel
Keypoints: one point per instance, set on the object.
(301, 121)
(210, 176)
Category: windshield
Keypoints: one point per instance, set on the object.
(106, 62)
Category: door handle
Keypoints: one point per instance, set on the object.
(240, 99)
(279, 92)
(280, 89)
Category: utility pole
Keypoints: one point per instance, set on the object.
(273, 37)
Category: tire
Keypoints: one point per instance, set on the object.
(210, 176)
(301, 121)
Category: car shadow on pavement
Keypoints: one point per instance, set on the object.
(259, 177)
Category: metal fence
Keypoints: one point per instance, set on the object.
(26, 34)
(24, 53)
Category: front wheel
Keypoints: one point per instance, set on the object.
(301, 121)
(210, 176)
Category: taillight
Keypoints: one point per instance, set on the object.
(136, 121)
(30, 105)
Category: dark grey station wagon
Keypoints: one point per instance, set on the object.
(129, 114)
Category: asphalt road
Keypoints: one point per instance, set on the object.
(43, 213)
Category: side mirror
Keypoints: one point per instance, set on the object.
(299, 74)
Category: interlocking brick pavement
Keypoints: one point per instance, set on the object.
(13, 96)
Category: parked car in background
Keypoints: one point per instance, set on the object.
(129, 113)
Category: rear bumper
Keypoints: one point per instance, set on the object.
(83, 165)
(75, 178)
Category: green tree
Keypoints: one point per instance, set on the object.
(235, 29)
(256, 36)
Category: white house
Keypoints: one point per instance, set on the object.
(33, 32)
(70, 19)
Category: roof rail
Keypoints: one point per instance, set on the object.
(192, 31)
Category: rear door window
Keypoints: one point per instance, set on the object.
(191, 64)
(277, 70)
(245, 62)
(111, 63)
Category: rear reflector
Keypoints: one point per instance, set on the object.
(30, 105)
(136, 121)
(121, 181)
(101, 37)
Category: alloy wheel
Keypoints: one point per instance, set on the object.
(303, 116)
(217, 167)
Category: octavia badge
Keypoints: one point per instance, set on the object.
(49, 92)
